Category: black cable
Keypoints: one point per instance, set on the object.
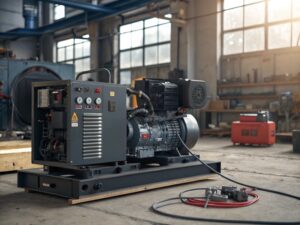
(234, 181)
(141, 111)
(155, 207)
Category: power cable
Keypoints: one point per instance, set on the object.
(167, 202)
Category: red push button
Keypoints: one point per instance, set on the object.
(97, 90)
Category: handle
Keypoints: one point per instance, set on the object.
(95, 70)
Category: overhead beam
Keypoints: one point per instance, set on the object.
(86, 6)
(118, 7)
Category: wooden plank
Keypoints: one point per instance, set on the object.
(262, 84)
(137, 189)
(16, 161)
(15, 144)
(17, 150)
(15, 155)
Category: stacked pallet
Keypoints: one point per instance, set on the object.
(15, 155)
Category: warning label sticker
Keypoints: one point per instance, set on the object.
(74, 120)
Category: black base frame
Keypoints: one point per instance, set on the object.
(66, 184)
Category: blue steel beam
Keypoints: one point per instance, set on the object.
(117, 7)
(80, 5)
(19, 32)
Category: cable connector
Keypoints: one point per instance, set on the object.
(214, 194)
(235, 194)
(228, 190)
(240, 196)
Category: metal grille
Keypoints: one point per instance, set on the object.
(173, 129)
(92, 136)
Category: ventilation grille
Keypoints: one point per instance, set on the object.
(92, 136)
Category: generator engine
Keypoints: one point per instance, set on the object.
(148, 138)
(156, 126)
(90, 142)
(74, 121)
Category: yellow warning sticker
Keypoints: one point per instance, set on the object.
(74, 120)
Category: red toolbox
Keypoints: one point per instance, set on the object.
(253, 129)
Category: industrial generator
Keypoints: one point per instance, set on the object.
(254, 129)
(90, 142)
(16, 77)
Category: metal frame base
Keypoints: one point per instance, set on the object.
(68, 186)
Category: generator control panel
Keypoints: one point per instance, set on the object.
(73, 115)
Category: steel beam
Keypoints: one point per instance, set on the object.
(71, 187)
(117, 7)
(80, 5)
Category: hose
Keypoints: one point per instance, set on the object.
(142, 94)
(145, 112)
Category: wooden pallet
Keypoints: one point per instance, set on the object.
(216, 133)
(137, 189)
(15, 155)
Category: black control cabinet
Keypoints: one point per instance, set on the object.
(78, 123)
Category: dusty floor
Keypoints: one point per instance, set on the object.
(274, 167)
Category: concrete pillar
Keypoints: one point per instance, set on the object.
(94, 33)
(46, 41)
(204, 35)
(179, 36)
(107, 47)
(204, 45)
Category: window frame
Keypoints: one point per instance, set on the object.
(143, 47)
(53, 11)
(74, 58)
(266, 25)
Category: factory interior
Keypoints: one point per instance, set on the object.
(149, 112)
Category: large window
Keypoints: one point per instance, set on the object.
(256, 25)
(74, 51)
(59, 12)
(145, 43)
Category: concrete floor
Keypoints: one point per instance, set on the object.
(274, 167)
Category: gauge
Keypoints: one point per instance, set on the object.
(98, 101)
(79, 100)
(88, 100)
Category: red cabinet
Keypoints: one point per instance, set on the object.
(256, 133)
